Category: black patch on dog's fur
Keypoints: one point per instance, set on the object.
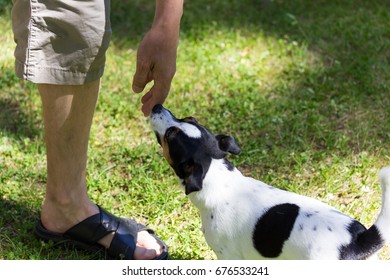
(364, 242)
(274, 228)
(228, 165)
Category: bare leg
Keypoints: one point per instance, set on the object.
(68, 113)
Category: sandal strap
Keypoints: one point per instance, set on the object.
(123, 244)
(94, 228)
(124, 241)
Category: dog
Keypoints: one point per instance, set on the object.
(243, 218)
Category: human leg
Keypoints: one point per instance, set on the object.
(61, 45)
(68, 112)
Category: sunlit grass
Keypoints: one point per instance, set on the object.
(303, 87)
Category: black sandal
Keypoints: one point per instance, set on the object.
(85, 235)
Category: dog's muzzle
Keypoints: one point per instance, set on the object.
(161, 119)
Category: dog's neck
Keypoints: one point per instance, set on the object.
(219, 185)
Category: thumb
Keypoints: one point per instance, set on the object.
(157, 95)
(142, 76)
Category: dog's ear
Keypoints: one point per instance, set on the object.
(228, 144)
(193, 180)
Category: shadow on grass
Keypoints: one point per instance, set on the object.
(16, 117)
(17, 239)
(17, 222)
(5, 6)
(14, 121)
(348, 96)
(350, 39)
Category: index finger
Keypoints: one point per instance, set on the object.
(156, 95)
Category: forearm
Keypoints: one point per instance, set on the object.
(168, 14)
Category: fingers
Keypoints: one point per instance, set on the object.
(156, 61)
(158, 92)
(156, 95)
(143, 75)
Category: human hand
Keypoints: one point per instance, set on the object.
(156, 56)
(156, 61)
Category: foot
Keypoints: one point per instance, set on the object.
(58, 221)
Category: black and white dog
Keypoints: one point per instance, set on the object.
(247, 219)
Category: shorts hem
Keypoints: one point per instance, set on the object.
(53, 76)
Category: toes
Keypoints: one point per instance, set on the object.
(147, 247)
(144, 254)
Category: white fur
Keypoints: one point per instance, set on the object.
(384, 216)
(231, 204)
(236, 202)
(164, 119)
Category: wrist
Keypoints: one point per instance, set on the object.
(168, 15)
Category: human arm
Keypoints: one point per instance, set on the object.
(156, 56)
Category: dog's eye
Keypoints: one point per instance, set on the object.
(171, 131)
(190, 120)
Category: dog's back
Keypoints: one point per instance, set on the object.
(246, 219)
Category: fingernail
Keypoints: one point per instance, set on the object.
(137, 89)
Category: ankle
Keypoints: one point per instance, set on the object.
(59, 214)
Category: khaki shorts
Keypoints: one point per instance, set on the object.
(61, 41)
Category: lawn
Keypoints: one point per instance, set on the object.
(304, 87)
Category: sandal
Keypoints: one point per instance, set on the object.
(85, 235)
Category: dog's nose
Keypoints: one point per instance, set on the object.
(157, 109)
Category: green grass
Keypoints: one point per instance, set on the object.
(304, 86)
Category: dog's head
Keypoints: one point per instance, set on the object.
(189, 147)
